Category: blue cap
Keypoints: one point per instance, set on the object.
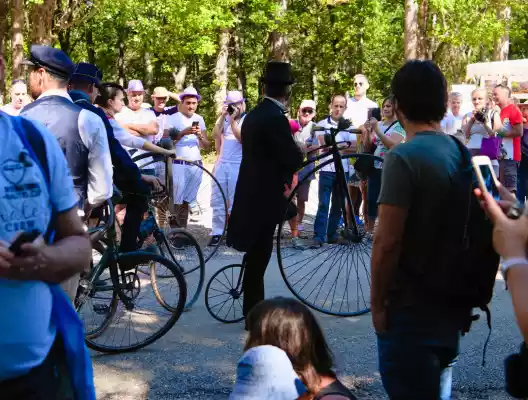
(266, 373)
(87, 72)
(53, 60)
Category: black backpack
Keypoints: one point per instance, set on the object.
(465, 265)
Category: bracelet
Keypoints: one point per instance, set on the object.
(510, 262)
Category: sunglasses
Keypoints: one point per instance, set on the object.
(307, 111)
(160, 98)
(358, 83)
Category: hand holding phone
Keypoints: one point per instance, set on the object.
(24, 237)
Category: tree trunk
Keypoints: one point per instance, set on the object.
(221, 77)
(502, 44)
(17, 38)
(121, 61)
(149, 70)
(239, 64)
(313, 84)
(179, 75)
(411, 30)
(4, 9)
(90, 49)
(278, 42)
(41, 16)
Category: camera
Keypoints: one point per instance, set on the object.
(481, 115)
(230, 109)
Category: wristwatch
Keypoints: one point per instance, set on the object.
(508, 263)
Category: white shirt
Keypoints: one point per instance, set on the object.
(141, 116)
(340, 137)
(357, 110)
(188, 147)
(451, 124)
(231, 150)
(126, 138)
(9, 109)
(93, 135)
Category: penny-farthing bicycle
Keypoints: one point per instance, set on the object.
(333, 279)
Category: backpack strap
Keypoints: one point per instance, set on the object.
(36, 147)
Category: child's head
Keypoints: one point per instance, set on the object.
(524, 111)
(289, 325)
(294, 126)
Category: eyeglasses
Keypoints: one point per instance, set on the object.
(307, 111)
(358, 83)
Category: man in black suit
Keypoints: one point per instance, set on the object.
(270, 157)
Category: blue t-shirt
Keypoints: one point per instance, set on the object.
(25, 315)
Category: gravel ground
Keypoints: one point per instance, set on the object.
(197, 358)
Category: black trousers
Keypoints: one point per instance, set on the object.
(49, 381)
(256, 261)
(136, 206)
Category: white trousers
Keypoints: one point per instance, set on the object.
(186, 181)
(227, 175)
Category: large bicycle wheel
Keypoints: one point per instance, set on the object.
(223, 295)
(95, 306)
(204, 194)
(140, 318)
(179, 246)
(335, 278)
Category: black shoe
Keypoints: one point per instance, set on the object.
(215, 240)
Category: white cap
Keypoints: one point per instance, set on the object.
(307, 104)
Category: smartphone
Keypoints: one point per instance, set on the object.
(375, 113)
(24, 237)
(195, 123)
(488, 181)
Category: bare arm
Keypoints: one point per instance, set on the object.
(143, 129)
(203, 140)
(69, 255)
(236, 130)
(158, 150)
(217, 133)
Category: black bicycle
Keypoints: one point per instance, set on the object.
(208, 207)
(119, 312)
(334, 278)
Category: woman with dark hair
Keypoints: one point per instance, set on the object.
(290, 326)
(388, 134)
(111, 100)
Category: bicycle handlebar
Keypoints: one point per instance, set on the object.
(335, 131)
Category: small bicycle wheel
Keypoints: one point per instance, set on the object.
(181, 247)
(334, 278)
(96, 300)
(197, 215)
(140, 318)
(224, 296)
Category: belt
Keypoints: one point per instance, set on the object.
(183, 162)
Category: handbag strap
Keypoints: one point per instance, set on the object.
(390, 126)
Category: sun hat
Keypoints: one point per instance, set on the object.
(233, 97)
(135, 85)
(160, 91)
(190, 92)
(307, 104)
(266, 373)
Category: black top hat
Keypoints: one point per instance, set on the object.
(88, 73)
(278, 72)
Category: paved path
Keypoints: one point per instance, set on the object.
(197, 358)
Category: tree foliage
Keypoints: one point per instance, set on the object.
(176, 42)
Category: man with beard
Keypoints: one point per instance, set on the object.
(270, 157)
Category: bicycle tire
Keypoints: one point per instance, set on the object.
(363, 248)
(208, 289)
(194, 282)
(99, 268)
(136, 259)
(200, 232)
